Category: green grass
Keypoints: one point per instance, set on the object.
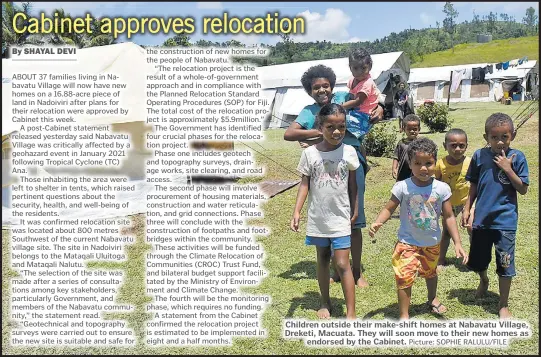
(492, 52)
(291, 281)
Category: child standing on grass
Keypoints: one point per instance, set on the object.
(329, 181)
(496, 174)
(422, 200)
(452, 170)
(364, 93)
(318, 82)
(401, 168)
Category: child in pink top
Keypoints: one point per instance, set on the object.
(363, 91)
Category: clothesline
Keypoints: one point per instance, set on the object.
(478, 73)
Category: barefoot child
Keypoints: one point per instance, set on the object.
(496, 174)
(329, 181)
(452, 170)
(318, 82)
(364, 93)
(422, 200)
(401, 168)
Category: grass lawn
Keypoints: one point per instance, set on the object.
(291, 280)
(491, 52)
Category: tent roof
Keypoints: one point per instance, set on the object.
(126, 60)
(289, 75)
(430, 74)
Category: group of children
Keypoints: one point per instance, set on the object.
(426, 189)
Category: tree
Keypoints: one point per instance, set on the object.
(449, 23)
(204, 43)
(530, 19)
(177, 40)
(491, 25)
(9, 36)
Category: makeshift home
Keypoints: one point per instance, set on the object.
(282, 83)
(433, 83)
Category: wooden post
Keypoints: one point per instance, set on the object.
(449, 90)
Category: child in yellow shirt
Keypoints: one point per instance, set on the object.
(452, 170)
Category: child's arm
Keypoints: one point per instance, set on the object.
(352, 190)
(295, 132)
(504, 163)
(395, 168)
(472, 195)
(354, 103)
(450, 223)
(301, 197)
(383, 216)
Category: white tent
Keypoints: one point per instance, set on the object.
(126, 60)
(432, 83)
(282, 83)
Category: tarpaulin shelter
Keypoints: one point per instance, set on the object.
(282, 83)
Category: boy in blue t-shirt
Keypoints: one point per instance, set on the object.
(496, 174)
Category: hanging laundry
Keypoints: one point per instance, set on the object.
(478, 74)
(520, 61)
(513, 63)
(489, 69)
(505, 65)
(457, 77)
(499, 66)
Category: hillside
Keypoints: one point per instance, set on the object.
(492, 52)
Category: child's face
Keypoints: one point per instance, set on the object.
(456, 146)
(422, 165)
(499, 138)
(321, 91)
(334, 129)
(411, 128)
(359, 71)
(401, 86)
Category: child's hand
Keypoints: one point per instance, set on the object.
(374, 227)
(294, 225)
(461, 253)
(465, 219)
(354, 218)
(395, 173)
(503, 162)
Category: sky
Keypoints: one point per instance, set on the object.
(338, 22)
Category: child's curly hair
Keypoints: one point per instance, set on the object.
(314, 72)
(424, 145)
(498, 119)
(360, 55)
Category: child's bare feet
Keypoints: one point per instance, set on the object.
(505, 313)
(361, 282)
(324, 311)
(403, 318)
(482, 288)
(436, 306)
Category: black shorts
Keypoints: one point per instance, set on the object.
(481, 251)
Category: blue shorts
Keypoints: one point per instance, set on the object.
(334, 243)
(358, 123)
(481, 251)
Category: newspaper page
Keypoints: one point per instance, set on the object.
(168, 168)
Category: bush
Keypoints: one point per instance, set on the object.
(435, 116)
(380, 140)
